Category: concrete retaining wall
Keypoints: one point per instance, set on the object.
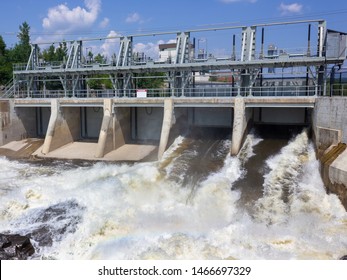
(16, 123)
(330, 131)
(330, 113)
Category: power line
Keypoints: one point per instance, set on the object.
(192, 27)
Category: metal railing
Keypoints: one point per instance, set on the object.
(339, 90)
(8, 90)
(199, 92)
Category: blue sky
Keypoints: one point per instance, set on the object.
(53, 20)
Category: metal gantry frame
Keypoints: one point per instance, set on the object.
(247, 69)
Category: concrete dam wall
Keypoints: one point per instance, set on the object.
(105, 129)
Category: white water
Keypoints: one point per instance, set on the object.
(139, 212)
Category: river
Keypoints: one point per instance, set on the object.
(198, 202)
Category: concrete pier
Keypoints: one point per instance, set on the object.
(167, 123)
(105, 143)
(241, 119)
(51, 127)
(63, 127)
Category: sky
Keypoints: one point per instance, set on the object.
(56, 20)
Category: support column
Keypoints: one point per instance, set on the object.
(63, 127)
(167, 123)
(239, 126)
(51, 126)
(105, 143)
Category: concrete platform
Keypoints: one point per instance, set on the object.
(21, 149)
(130, 152)
(86, 151)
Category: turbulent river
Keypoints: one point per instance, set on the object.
(198, 202)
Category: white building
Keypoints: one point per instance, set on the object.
(167, 52)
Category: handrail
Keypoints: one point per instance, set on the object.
(8, 90)
(197, 92)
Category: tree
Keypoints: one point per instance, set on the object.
(55, 54)
(2, 47)
(24, 34)
(61, 52)
(21, 52)
(5, 64)
(99, 58)
(49, 54)
(99, 81)
(154, 80)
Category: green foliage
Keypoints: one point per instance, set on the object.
(21, 51)
(55, 54)
(5, 64)
(99, 82)
(2, 47)
(154, 80)
(99, 58)
(18, 54)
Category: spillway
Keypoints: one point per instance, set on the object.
(198, 202)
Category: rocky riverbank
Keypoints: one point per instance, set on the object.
(15, 247)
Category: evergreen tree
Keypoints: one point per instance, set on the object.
(2, 47)
(21, 52)
(5, 65)
(61, 52)
(49, 54)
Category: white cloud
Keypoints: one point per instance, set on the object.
(235, 1)
(287, 9)
(105, 22)
(151, 49)
(110, 46)
(61, 19)
(133, 18)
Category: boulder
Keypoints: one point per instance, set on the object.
(15, 247)
(344, 258)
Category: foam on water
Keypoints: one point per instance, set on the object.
(121, 211)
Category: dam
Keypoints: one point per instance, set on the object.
(53, 100)
(184, 171)
(50, 109)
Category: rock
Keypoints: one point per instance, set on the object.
(344, 258)
(15, 247)
(51, 224)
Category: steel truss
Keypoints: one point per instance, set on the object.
(247, 69)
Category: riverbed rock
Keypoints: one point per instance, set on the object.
(50, 224)
(15, 247)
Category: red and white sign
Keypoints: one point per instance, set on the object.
(141, 93)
